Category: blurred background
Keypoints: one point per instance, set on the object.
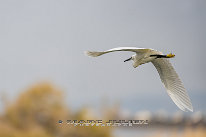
(45, 76)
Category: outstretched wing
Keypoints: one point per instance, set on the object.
(173, 84)
(132, 49)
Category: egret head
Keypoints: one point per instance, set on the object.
(128, 59)
(131, 58)
(135, 63)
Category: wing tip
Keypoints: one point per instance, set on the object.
(93, 53)
(185, 106)
(187, 109)
(190, 109)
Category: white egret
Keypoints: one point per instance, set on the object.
(168, 75)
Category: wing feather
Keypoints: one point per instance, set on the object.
(132, 49)
(173, 84)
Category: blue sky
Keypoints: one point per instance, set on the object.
(44, 40)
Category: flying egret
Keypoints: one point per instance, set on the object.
(168, 75)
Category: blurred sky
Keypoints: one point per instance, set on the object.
(44, 40)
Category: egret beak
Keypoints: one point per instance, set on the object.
(128, 59)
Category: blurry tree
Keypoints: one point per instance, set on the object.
(36, 112)
(40, 105)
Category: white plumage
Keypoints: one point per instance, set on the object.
(168, 75)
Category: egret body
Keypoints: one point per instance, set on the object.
(168, 75)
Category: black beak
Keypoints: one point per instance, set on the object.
(128, 59)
